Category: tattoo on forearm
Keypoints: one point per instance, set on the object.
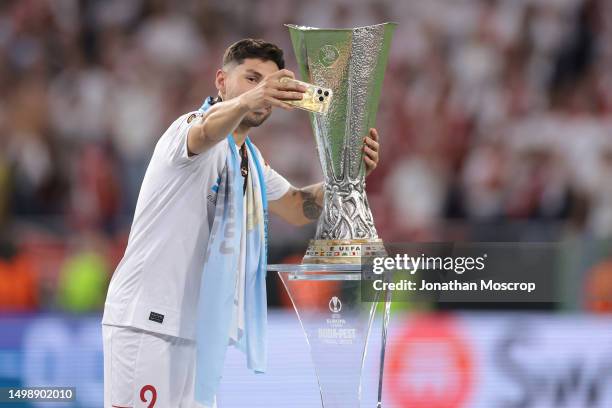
(311, 209)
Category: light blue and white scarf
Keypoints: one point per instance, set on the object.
(217, 289)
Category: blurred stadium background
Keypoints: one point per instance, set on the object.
(496, 126)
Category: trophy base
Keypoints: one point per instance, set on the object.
(342, 251)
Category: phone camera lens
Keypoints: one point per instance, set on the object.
(319, 91)
(326, 93)
(321, 98)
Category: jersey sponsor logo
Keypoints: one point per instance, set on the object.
(156, 317)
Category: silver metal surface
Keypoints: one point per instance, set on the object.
(351, 62)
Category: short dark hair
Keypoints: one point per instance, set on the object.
(253, 48)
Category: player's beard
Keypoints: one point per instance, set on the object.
(254, 119)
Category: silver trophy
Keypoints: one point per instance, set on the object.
(350, 62)
(326, 288)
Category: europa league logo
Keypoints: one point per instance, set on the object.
(335, 305)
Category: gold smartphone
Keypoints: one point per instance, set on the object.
(316, 98)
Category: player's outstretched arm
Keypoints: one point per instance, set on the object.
(224, 117)
(219, 121)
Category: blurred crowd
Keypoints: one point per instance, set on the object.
(494, 113)
(503, 115)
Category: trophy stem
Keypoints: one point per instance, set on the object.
(346, 212)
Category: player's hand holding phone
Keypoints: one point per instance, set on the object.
(270, 91)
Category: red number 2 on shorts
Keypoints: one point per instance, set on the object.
(143, 397)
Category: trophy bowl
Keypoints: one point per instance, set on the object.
(350, 62)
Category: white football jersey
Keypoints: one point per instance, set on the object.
(156, 285)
